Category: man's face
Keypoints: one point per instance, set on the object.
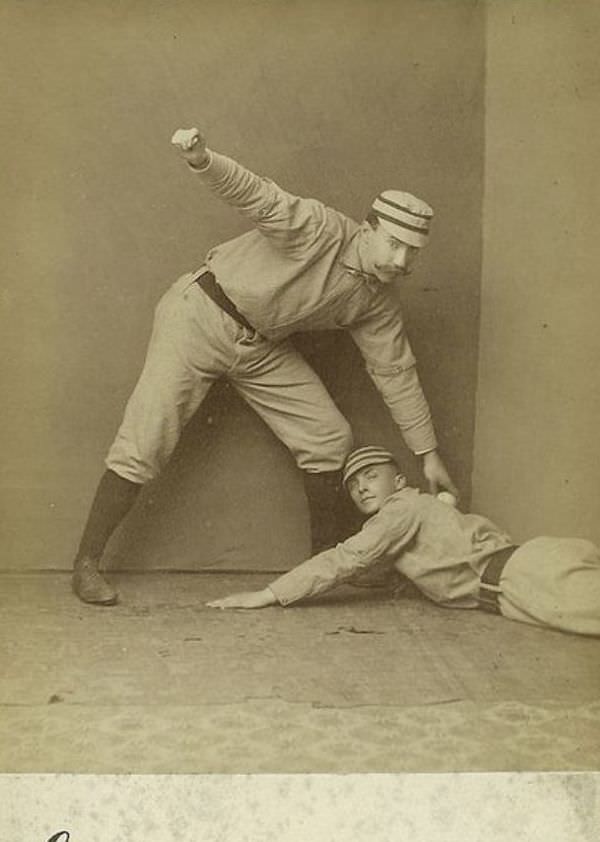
(386, 256)
(370, 487)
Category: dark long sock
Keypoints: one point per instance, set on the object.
(114, 498)
(323, 496)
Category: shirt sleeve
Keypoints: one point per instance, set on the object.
(290, 222)
(382, 536)
(391, 365)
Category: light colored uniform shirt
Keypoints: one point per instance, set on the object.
(441, 550)
(299, 270)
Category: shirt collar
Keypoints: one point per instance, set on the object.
(350, 260)
(406, 492)
(402, 494)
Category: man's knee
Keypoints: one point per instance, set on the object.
(328, 450)
(134, 463)
(134, 470)
(341, 444)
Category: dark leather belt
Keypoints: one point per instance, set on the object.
(489, 584)
(209, 284)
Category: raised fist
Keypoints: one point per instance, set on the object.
(191, 143)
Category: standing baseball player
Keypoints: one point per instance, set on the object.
(303, 266)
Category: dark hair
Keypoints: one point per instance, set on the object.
(372, 219)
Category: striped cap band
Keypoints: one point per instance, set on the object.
(404, 216)
(365, 456)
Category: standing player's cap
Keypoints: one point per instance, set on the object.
(363, 457)
(404, 216)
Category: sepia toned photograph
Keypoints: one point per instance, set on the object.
(300, 360)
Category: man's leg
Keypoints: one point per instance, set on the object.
(285, 391)
(322, 491)
(553, 582)
(182, 362)
(114, 498)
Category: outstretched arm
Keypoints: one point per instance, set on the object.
(384, 345)
(383, 536)
(289, 221)
(246, 599)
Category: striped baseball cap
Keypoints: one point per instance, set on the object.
(404, 216)
(362, 457)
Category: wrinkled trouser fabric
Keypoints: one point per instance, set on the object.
(193, 344)
(554, 582)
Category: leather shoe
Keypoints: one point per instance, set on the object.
(90, 585)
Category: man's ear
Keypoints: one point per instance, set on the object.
(399, 482)
(366, 228)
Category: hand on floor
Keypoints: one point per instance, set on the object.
(247, 599)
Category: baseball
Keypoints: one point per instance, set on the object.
(446, 497)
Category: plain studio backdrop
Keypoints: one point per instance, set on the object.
(488, 111)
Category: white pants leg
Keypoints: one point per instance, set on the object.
(554, 582)
(286, 392)
(193, 343)
(189, 349)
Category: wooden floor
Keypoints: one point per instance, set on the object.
(355, 682)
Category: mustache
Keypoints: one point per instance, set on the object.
(393, 270)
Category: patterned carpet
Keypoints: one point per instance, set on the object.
(358, 682)
(277, 737)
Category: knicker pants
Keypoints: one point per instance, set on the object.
(553, 582)
(193, 344)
